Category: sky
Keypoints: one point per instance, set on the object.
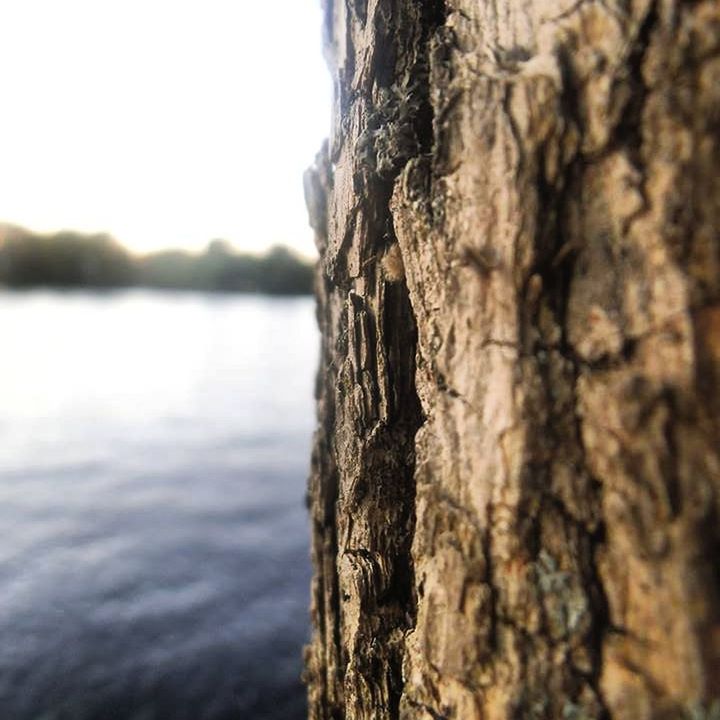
(166, 123)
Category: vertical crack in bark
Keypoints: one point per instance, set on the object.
(628, 133)
(399, 323)
(572, 599)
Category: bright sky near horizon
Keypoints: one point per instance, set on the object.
(165, 123)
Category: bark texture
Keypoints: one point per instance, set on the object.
(515, 491)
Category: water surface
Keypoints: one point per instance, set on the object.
(153, 455)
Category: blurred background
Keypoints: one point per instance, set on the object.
(159, 347)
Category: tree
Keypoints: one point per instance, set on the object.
(64, 259)
(516, 483)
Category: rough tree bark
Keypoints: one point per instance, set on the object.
(516, 482)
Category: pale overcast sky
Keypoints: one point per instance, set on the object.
(162, 122)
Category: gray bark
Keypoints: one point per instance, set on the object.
(516, 482)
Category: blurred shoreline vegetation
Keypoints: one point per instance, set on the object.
(69, 259)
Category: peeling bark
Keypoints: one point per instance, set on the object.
(515, 490)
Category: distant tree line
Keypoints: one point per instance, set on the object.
(69, 259)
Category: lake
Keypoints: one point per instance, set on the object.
(154, 449)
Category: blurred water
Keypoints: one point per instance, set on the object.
(154, 552)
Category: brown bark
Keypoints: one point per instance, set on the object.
(516, 482)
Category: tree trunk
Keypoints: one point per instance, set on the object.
(516, 482)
